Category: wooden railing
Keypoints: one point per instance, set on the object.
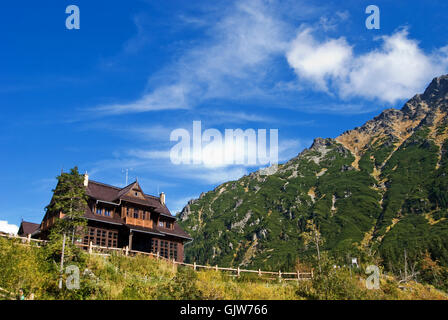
(24, 240)
(139, 222)
(236, 272)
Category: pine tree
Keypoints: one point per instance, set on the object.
(70, 199)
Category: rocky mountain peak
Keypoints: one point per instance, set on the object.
(437, 90)
(435, 96)
(320, 143)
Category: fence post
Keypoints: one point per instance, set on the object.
(28, 238)
(298, 275)
(90, 247)
(259, 272)
(216, 267)
(194, 266)
(174, 265)
(279, 275)
(127, 250)
(312, 273)
(238, 271)
(158, 255)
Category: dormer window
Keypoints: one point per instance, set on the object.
(103, 212)
(136, 194)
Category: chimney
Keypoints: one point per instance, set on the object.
(86, 180)
(162, 198)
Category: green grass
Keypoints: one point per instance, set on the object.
(144, 278)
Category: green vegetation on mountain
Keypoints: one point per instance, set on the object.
(378, 193)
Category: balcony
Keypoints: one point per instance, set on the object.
(139, 222)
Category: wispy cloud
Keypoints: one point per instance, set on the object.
(330, 23)
(167, 97)
(239, 46)
(211, 166)
(216, 176)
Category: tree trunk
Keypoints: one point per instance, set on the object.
(62, 263)
(318, 251)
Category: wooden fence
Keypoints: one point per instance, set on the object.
(6, 294)
(236, 272)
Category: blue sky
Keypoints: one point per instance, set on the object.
(107, 96)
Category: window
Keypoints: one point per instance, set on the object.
(143, 215)
(101, 237)
(154, 245)
(103, 211)
(173, 250)
(136, 194)
(136, 212)
(165, 248)
(168, 225)
(161, 224)
(128, 212)
(164, 252)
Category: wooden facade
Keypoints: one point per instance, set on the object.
(120, 217)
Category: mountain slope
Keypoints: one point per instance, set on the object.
(384, 183)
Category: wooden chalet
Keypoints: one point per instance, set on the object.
(120, 217)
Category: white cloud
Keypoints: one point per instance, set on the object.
(399, 69)
(8, 228)
(319, 61)
(396, 70)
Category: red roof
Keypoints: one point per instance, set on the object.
(27, 228)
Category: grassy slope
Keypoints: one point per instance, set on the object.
(119, 277)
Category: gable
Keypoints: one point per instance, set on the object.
(135, 191)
